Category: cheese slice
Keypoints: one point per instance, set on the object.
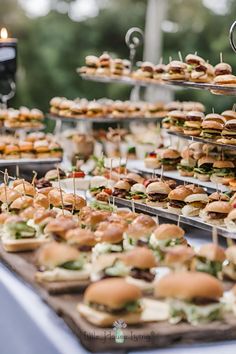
(154, 310)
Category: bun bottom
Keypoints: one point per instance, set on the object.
(194, 132)
(216, 179)
(58, 274)
(157, 204)
(145, 286)
(22, 245)
(189, 210)
(175, 128)
(176, 76)
(201, 177)
(186, 173)
(177, 211)
(227, 141)
(104, 319)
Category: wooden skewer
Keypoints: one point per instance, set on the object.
(161, 60)
(178, 222)
(162, 169)
(157, 219)
(170, 59)
(59, 182)
(23, 182)
(214, 235)
(110, 169)
(126, 163)
(195, 53)
(180, 56)
(17, 172)
(74, 192)
(234, 107)
(213, 110)
(221, 57)
(133, 207)
(5, 187)
(34, 177)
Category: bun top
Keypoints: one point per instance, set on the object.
(74, 201)
(211, 124)
(138, 187)
(225, 79)
(60, 225)
(28, 213)
(111, 292)
(177, 114)
(170, 154)
(140, 257)
(212, 252)
(98, 181)
(214, 117)
(80, 237)
(110, 233)
(219, 207)
(223, 67)
(22, 203)
(176, 64)
(229, 114)
(231, 253)
(178, 254)
(25, 188)
(179, 193)
(158, 187)
(168, 231)
(194, 59)
(196, 197)
(142, 226)
(218, 196)
(41, 201)
(195, 114)
(206, 159)
(122, 185)
(135, 177)
(223, 164)
(54, 254)
(195, 189)
(10, 196)
(188, 286)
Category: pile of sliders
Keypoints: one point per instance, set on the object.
(22, 118)
(220, 128)
(202, 161)
(105, 108)
(194, 68)
(35, 146)
(123, 254)
(187, 200)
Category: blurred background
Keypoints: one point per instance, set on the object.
(55, 36)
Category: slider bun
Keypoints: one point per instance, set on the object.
(170, 154)
(53, 254)
(138, 187)
(212, 252)
(51, 175)
(10, 197)
(46, 190)
(223, 164)
(111, 292)
(60, 225)
(54, 197)
(226, 80)
(214, 117)
(178, 254)
(144, 220)
(41, 201)
(189, 285)
(203, 197)
(168, 231)
(202, 177)
(23, 245)
(111, 233)
(194, 59)
(177, 114)
(218, 196)
(211, 124)
(219, 207)
(105, 319)
(122, 185)
(158, 187)
(197, 114)
(142, 226)
(134, 176)
(42, 214)
(28, 213)
(75, 200)
(189, 210)
(22, 203)
(139, 257)
(179, 193)
(206, 159)
(231, 253)
(80, 237)
(25, 188)
(232, 215)
(229, 114)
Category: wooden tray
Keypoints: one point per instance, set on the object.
(144, 336)
(24, 264)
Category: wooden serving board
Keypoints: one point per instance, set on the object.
(23, 263)
(143, 336)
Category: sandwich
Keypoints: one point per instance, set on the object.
(178, 258)
(21, 203)
(170, 159)
(211, 129)
(82, 239)
(228, 135)
(193, 297)
(177, 121)
(159, 71)
(201, 73)
(57, 228)
(138, 193)
(145, 72)
(109, 300)
(26, 149)
(217, 196)
(157, 194)
(18, 235)
(194, 203)
(177, 199)
(7, 197)
(60, 262)
(139, 232)
(109, 238)
(104, 65)
(186, 167)
(216, 212)
(214, 117)
(209, 259)
(221, 170)
(223, 69)
(176, 70)
(52, 175)
(192, 124)
(193, 61)
(166, 235)
(152, 160)
(204, 168)
(11, 152)
(121, 189)
(97, 185)
(117, 67)
(229, 114)
(92, 63)
(133, 178)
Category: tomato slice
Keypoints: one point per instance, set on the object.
(76, 174)
(107, 191)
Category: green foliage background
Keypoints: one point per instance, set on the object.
(53, 46)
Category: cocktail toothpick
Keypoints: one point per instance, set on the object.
(180, 56)
(17, 172)
(34, 177)
(61, 195)
(214, 235)
(5, 187)
(178, 222)
(221, 57)
(132, 204)
(110, 169)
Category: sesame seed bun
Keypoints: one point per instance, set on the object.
(188, 286)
